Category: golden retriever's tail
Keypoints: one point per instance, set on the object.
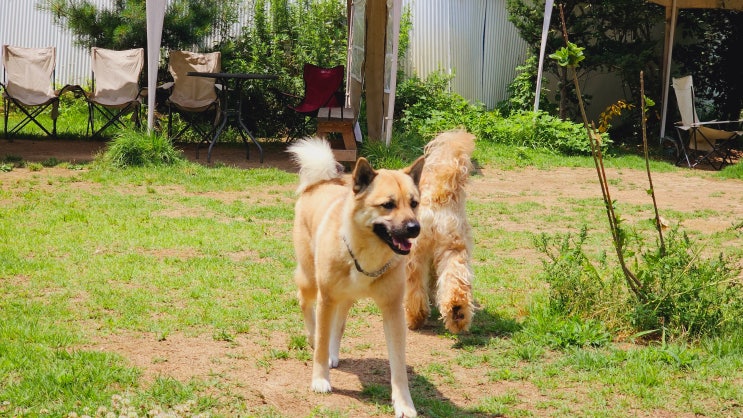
(316, 162)
(448, 165)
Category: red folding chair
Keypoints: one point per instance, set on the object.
(322, 88)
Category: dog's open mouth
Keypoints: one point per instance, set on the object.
(398, 241)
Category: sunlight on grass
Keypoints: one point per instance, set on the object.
(189, 250)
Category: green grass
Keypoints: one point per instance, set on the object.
(206, 252)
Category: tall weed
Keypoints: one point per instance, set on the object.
(132, 148)
(684, 294)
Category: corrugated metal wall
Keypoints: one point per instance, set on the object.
(472, 39)
(23, 24)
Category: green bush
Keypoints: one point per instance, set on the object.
(686, 293)
(522, 89)
(682, 295)
(551, 329)
(426, 107)
(403, 150)
(537, 130)
(133, 148)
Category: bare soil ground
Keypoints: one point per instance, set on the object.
(284, 385)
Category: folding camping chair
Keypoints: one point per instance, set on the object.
(322, 88)
(28, 84)
(116, 90)
(703, 144)
(192, 97)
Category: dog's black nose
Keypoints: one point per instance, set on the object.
(412, 228)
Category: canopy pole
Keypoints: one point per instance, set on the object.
(155, 18)
(396, 15)
(545, 30)
(668, 55)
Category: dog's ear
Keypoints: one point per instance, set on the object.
(415, 170)
(363, 175)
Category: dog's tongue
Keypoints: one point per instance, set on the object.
(403, 245)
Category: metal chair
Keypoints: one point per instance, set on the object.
(28, 84)
(698, 142)
(193, 97)
(322, 88)
(116, 90)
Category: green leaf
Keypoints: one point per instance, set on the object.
(569, 56)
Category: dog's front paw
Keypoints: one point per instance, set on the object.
(321, 385)
(333, 362)
(407, 411)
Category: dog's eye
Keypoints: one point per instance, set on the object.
(389, 205)
(413, 204)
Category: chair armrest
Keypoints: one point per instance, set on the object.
(717, 122)
(166, 86)
(286, 99)
(75, 89)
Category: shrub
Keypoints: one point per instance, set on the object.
(426, 107)
(686, 293)
(134, 148)
(682, 294)
(537, 130)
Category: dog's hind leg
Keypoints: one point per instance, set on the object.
(339, 325)
(307, 294)
(324, 312)
(417, 303)
(454, 295)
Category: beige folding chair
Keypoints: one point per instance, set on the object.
(28, 84)
(192, 97)
(703, 143)
(116, 90)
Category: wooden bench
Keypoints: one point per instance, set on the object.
(338, 120)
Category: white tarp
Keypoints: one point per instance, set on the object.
(543, 46)
(394, 13)
(155, 18)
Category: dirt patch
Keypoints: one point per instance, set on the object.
(80, 152)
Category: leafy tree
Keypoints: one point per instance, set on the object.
(188, 23)
(616, 35)
(711, 53)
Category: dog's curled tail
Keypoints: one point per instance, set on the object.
(316, 162)
(448, 165)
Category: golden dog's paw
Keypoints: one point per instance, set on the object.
(415, 320)
(458, 319)
(321, 385)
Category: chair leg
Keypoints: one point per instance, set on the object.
(5, 125)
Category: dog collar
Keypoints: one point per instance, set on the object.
(373, 274)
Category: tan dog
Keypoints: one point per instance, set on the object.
(439, 269)
(350, 241)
